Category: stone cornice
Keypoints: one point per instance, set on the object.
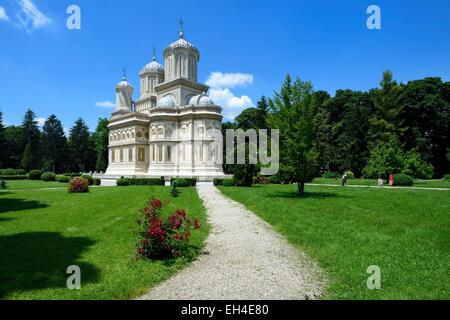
(131, 118)
(181, 82)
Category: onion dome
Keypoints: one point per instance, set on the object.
(153, 67)
(201, 100)
(124, 83)
(182, 42)
(166, 102)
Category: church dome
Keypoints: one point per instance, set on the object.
(166, 102)
(182, 42)
(153, 66)
(124, 83)
(201, 100)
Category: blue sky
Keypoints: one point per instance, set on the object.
(250, 45)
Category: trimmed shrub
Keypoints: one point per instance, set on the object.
(3, 184)
(181, 183)
(97, 181)
(21, 172)
(186, 182)
(88, 178)
(331, 175)
(78, 185)
(148, 182)
(403, 180)
(141, 182)
(62, 179)
(122, 182)
(8, 172)
(350, 175)
(35, 175)
(48, 176)
(14, 177)
(447, 176)
(218, 182)
(72, 175)
(229, 183)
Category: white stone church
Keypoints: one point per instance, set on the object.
(173, 128)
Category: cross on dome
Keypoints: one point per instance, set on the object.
(181, 28)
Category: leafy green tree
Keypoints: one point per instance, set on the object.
(227, 168)
(323, 143)
(416, 167)
(250, 118)
(54, 144)
(352, 142)
(101, 141)
(14, 148)
(426, 115)
(386, 120)
(385, 158)
(3, 145)
(80, 146)
(32, 158)
(293, 115)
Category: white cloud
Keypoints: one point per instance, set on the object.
(29, 16)
(3, 15)
(231, 104)
(219, 80)
(105, 104)
(41, 121)
(220, 93)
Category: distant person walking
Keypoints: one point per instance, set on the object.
(380, 182)
(344, 179)
(391, 180)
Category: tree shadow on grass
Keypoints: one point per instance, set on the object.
(5, 192)
(11, 205)
(39, 260)
(307, 195)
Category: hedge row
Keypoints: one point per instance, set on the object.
(141, 182)
(183, 182)
(24, 177)
(225, 182)
(331, 175)
(403, 180)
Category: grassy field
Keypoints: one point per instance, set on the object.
(44, 232)
(404, 232)
(33, 184)
(373, 182)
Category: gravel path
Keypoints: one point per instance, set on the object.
(244, 259)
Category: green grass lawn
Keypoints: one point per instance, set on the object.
(404, 232)
(44, 232)
(374, 182)
(33, 184)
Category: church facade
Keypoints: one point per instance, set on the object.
(173, 129)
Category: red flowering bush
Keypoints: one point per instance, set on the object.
(164, 237)
(78, 185)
